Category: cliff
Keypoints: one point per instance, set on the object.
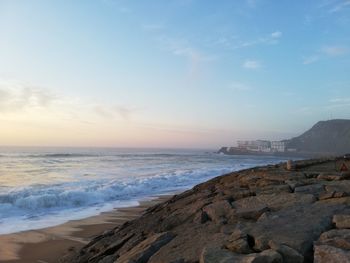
(331, 136)
(264, 214)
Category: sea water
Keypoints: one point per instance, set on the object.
(42, 187)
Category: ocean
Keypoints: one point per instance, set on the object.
(42, 187)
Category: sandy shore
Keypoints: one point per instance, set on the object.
(49, 244)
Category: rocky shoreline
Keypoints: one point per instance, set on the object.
(263, 214)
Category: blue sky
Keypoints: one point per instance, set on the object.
(177, 73)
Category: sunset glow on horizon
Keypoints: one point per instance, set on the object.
(182, 73)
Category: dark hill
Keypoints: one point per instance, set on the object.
(331, 136)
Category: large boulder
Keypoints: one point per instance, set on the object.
(219, 211)
(329, 254)
(341, 221)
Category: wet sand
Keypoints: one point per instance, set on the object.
(50, 244)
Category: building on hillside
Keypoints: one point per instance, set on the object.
(255, 146)
(278, 146)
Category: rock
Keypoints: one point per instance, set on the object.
(227, 229)
(143, 251)
(339, 194)
(201, 217)
(251, 212)
(338, 186)
(315, 189)
(326, 195)
(218, 255)
(293, 183)
(274, 201)
(339, 238)
(238, 241)
(337, 201)
(330, 176)
(233, 217)
(219, 211)
(329, 254)
(290, 165)
(341, 221)
(239, 194)
(297, 227)
(108, 259)
(289, 255)
(274, 189)
(240, 246)
(267, 256)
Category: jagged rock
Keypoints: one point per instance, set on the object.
(339, 194)
(341, 221)
(108, 259)
(337, 201)
(339, 238)
(238, 241)
(201, 217)
(143, 251)
(329, 254)
(289, 255)
(239, 246)
(251, 212)
(330, 176)
(338, 186)
(238, 214)
(267, 256)
(293, 183)
(326, 195)
(219, 211)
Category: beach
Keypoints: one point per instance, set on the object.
(56, 200)
(51, 244)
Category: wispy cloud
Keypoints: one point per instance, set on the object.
(334, 51)
(16, 96)
(339, 6)
(182, 47)
(270, 39)
(326, 51)
(276, 34)
(115, 112)
(339, 100)
(310, 59)
(251, 64)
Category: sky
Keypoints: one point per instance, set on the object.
(175, 73)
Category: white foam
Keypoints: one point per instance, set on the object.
(77, 188)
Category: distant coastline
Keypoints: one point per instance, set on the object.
(239, 151)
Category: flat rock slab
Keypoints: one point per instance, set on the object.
(274, 201)
(315, 189)
(297, 227)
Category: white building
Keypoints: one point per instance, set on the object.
(255, 146)
(278, 146)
